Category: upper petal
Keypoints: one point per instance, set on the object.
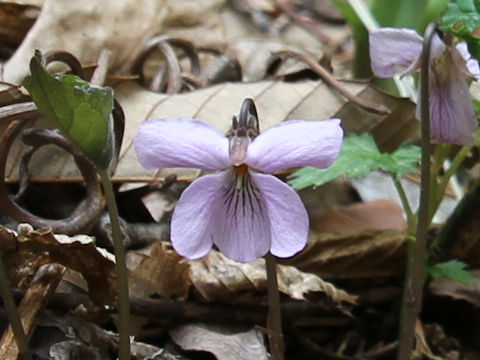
(240, 225)
(164, 143)
(296, 143)
(393, 50)
(288, 217)
(190, 227)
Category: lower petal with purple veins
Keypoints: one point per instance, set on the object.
(289, 224)
(240, 225)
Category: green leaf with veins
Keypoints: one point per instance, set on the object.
(452, 269)
(80, 110)
(462, 18)
(358, 157)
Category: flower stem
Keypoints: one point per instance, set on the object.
(13, 316)
(274, 320)
(120, 268)
(411, 217)
(412, 296)
(457, 161)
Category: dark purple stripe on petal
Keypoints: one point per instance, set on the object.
(240, 225)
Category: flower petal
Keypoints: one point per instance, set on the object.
(452, 117)
(296, 143)
(240, 226)
(470, 64)
(288, 217)
(164, 143)
(393, 50)
(190, 226)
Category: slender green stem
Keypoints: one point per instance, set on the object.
(13, 316)
(457, 161)
(412, 297)
(274, 321)
(120, 268)
(411, 218)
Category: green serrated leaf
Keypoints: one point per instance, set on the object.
(462, 18)
(80, 110)
(452, 269)
(359, 156)
(406, 159)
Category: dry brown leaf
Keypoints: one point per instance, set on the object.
(222, 342)
(444, 286)
(10, 95)
(162, 273)
(35, 248)
(85, 28)
(372, 253)
(422, 348)
(16, 18)
(276, 102)
(389, 131)
(355, 218)
(216, 277)
(35, 299)
(255, 55)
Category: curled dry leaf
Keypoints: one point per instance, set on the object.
(371, 253)
(35, 248)
(220, 341)
(216, 277)
(256, 55)
(162, 273)
(276, 101)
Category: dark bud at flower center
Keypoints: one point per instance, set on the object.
(244, 130)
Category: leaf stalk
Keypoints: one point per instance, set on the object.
(120, 268)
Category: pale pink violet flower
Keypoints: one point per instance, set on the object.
(452, 117)
(242, 209)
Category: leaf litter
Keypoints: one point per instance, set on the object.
(367, 260)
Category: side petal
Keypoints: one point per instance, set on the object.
(296, 143)
(452, 117)
(240, 225)
(164, 143)
(289, 222)
(466, 62)
(393, 50)
(190, 226)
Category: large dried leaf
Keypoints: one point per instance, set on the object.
(355, 218)
(371, 253)
(162, 273)
(85, 28)
(26, 251)
(216, 277)
(276, 101)
(222, 342)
